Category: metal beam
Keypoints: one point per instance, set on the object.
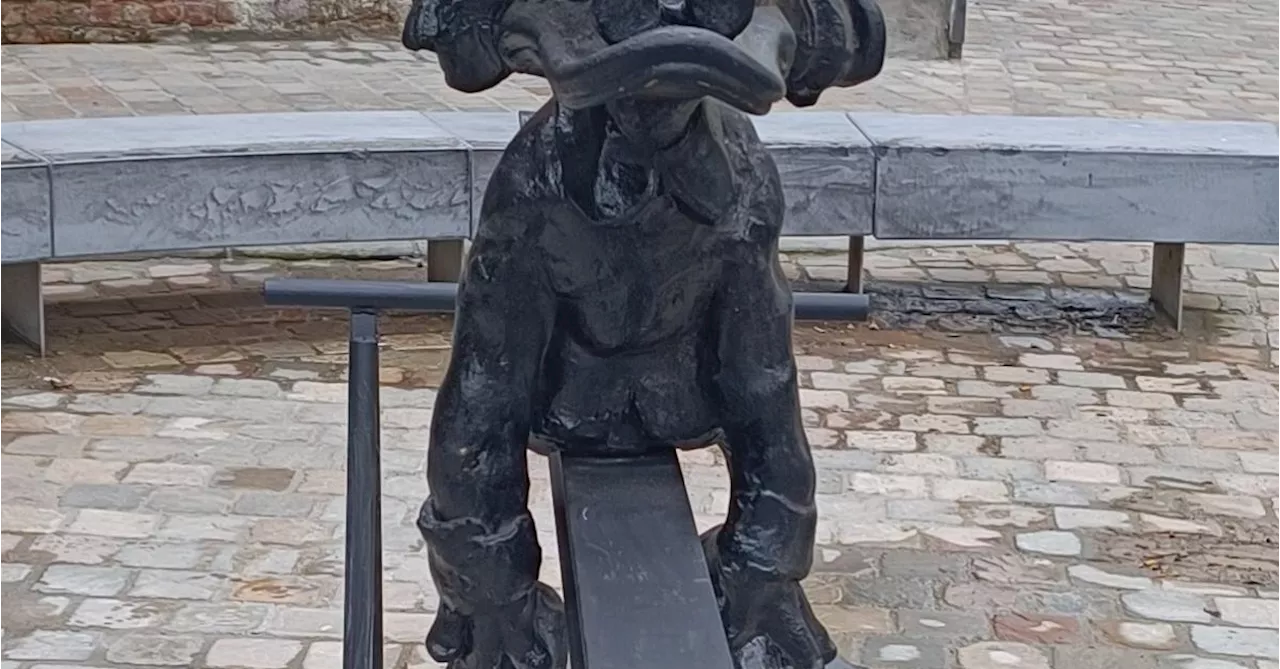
(636, 584)
(440, 297)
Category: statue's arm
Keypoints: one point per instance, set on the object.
(481, 537)
(771, 470)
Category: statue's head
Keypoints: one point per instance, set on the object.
(747, 53)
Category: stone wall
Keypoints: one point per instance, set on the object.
(52, 21)
(918, 29)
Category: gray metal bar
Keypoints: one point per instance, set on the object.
(439, 297)
(636, 584)
(362, 602)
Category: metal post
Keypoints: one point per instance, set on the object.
(362, 605)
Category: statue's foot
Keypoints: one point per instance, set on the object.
(768, 620)
(528, 634)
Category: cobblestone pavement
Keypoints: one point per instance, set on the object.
(172, 475)
(1175, 58)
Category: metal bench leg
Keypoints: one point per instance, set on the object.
(855, 265)
(1166, 280)
(22, 302)
(956, 19)
(445, 258)
(362, 605)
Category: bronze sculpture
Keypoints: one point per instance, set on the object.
(623, 293)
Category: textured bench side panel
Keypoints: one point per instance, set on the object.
(1086, 179)
(1054, 195)
(26, 214)
(244, 200)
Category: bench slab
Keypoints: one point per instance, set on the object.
(125, 185)
(1078, 179)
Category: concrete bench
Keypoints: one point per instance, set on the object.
(77, 189)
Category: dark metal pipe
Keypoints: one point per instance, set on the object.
(440, 297)
(402, 295)
(362, 600)
(832, 306)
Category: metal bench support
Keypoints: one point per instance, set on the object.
(1166, 281)
(445, 259)
(22, 303)
(856, 255)
(957, 16)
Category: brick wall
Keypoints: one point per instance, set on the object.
(51, 21)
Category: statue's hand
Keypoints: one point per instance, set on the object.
(526, 634)
(767, 617)
(779, 629)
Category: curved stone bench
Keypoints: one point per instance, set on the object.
(85, 188)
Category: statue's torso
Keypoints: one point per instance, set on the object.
(632, 359)
(630, 363)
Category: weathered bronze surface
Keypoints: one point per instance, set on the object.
(623, 294)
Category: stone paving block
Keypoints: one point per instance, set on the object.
(1049, 543)
(1168, 606)
(221, 618)
(190, 500)
(1002, 655)
(1036, 492)
(1037, 629)
(161, 555)
(105, 523)
(155, 650)
(328, 655)
(925, 564)
(1151, 636)
(52, 645)
(164, 473)
(1185, 661)
(1103, 658)
(1248, 612)
(943, 624)
(76, 549)
(98, 496)
(1071, 518)
(83, 580)
(1235, 641)
(175, 584)
(253, 653)
(903, 652)
(118, 614)
(893, 592)
(1093, 575)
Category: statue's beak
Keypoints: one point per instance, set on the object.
(664, 63)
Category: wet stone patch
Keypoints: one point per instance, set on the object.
(1011, 308)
